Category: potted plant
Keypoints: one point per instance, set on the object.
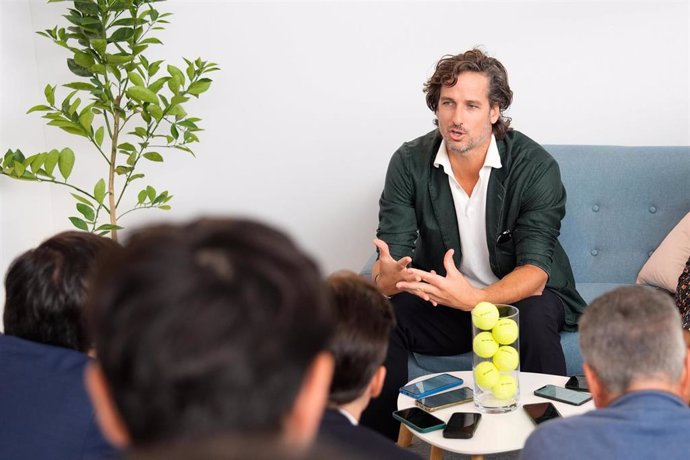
(129, 107)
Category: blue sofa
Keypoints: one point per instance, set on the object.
(622, 202)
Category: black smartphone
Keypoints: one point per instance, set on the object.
(462, 425)
(577, 383)
(576, 398)
(431, 385)
(442, 400)
(541, 412)
(418, 420)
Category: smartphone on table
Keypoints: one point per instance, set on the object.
(447, 399)
(541, 412)
(462, 425)
(576, 398)
(418, 420)
(577, 383)
(431, 385)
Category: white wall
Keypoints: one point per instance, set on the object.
(314, 97)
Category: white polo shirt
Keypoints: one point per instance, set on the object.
(471, 214)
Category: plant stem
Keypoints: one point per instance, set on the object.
(111, 170)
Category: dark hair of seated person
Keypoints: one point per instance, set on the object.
(45, 289)
(207, 327)
(364, 319)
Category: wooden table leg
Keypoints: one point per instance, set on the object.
(436, 453)
(404, 436)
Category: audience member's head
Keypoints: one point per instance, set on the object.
(364, 319)
(216, 326)
(631, 339)
(45, 289)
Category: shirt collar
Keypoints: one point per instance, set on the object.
(492, 159)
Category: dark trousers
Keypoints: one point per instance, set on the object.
(441, 331)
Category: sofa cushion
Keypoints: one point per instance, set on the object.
(667, 262)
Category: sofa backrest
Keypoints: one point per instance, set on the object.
(622, 202)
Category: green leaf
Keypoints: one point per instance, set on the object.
(151, 40)
(37, 161)
(174, 84)
(120, 170)
(79, 223)
(99, 136)
(135, 177)
(78, 70)
(99, 45)
(99, 191)
(121, 35)
(74, 106)
(36, 108)
(178, 99)
(118, 58)
(153, 156)
(81, 199)
(109, 227)
(158, 84)
(129, 22)
(84, 59)
(155, 111)
(79, 85)
(141, 93)
(86, 118)
(132, 159)
(136, 79)
(51, 161)
(153, 68)
(127, 147)
(66, 162)
(151, 193)
(199, 86)
(49, 91)
(177, 111)
(141, 197)
(175, 72)
(86, 211)
(165, 207)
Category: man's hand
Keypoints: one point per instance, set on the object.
(452, 290)
(387, 272)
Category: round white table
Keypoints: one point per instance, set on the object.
(496, 432)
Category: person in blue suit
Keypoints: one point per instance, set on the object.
(46, 412)
(364, 319)
(637, 366)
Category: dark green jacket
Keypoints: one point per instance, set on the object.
(525, 197)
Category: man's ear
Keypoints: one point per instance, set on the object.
(685, 379)
(107, 414)
(376, 384)
(494, 113)
(301, 424)
(599, 393)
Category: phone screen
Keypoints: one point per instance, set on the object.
(541, 412)
(577, 383)
(418, 419)
(462, 425)
(565, 395)
(431, 385)
(446, 399)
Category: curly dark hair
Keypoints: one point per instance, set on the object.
(474, 60)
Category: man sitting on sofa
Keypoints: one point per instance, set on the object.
(46, 412)
(476, 208)
(364, 319)
(638, 370)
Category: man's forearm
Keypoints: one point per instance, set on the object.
(524, 281)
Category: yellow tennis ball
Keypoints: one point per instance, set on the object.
(486, 375)
(505, 388)
(505, 331)
(485, 315)
(484, 345)
(506, 358)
